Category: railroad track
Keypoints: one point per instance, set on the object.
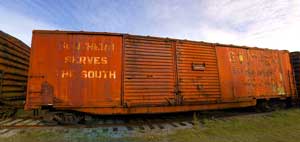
(12, 126)
(36, 123)
(117, 125)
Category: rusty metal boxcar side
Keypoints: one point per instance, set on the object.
(14, 64)
(247, 73)
(75, 70)
(104, 73)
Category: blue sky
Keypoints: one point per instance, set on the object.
(263, 23)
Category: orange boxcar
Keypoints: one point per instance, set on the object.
(106, 73)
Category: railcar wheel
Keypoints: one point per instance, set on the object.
(277, 104)
(63, 118)
(67, 118)
(263, 106)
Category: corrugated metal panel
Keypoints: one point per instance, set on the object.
(295, 59)
(197, 72)
(254, 72)
(14, 63)
(149, 71)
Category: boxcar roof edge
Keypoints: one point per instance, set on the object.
(166, 38)
(7, 36)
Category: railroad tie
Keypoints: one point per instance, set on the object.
(35, 122)
(5, 121)
(24, 122)
(12, 122)
(3, 131)
(173, 124)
